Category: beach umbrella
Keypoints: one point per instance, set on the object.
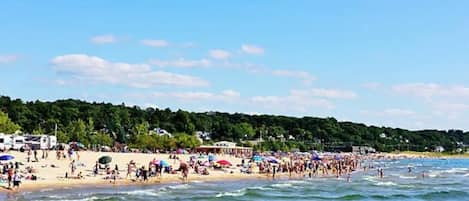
(6, 157)
(164, 163)
(257, 158)
(224, 162)
(105, 159)
(316, 158)
(211, 157)
(271, 159)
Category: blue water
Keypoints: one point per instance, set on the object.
(444, 180)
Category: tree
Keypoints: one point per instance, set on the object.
(77, 132)
(242, 130)
(102, 139)
(6, 125)
(184, 140)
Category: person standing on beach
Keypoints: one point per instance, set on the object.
(73, 167)
(35, 155)
(16, 181)
(184, 168)
(10, 177)
(29, 155)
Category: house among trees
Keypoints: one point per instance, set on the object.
(439, 149)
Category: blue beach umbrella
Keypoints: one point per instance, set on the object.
(257, 158)
(6, 157)
(211, 158)
(316, 158)
(272, 160)
(164, 163)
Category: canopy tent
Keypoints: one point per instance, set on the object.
(104, 160)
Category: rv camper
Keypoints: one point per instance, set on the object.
(18, 142)
(41, 141)
(5, 142)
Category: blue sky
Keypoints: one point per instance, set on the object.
(400, 63)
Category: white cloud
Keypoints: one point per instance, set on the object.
(325, 93)
(155, 43)
(4, 59)
(292, 102)
(372, 85)
(306, 77)
(219, 54)
(95, 69)
(398, 112)
(431, 90)
(252, 49)
(103, 39)
(181, 62)
(225, 96)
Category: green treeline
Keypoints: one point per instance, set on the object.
(104, 123)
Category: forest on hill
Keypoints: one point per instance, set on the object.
(105, 124)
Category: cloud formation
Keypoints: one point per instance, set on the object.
(252, 49)
(325, 93)
(181, 63)
(95, 69)
(155, 43)
(103, 39)
(431, 90)
(197, 96)
(306, 77)
(4, 59)
(219, 54)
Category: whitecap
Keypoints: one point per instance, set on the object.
(282, 185)
(259, 188)
(388, 183)
(407, 177)
(237, 193)
(456, 170)
(180, 186)
(297, 182)
(149, 192)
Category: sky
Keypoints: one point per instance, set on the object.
(386, 63)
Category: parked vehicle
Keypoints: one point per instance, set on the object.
(18, 142)
(36, 142)
(5, 142)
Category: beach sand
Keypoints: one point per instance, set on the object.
(49, 177)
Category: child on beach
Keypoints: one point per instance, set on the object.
(16, 181)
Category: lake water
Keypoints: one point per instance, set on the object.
(445, 180)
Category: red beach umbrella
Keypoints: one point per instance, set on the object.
(224, 162)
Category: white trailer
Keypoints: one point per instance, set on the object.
(18, 142)
(52, 142)
(5, 142)
(41, 141)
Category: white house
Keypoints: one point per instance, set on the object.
(439, 149)
(202, 135)
(161, 132)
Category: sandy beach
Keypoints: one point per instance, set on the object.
(50, 172)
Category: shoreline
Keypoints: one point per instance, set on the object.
(50, 178)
